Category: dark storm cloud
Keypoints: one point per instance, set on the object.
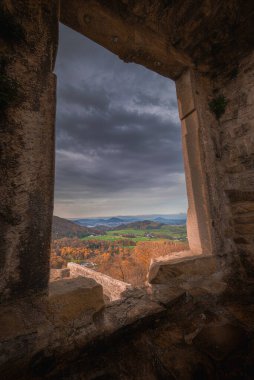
(117, 133)
(86, 96)
(128, 130)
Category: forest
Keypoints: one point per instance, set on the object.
(124, 254)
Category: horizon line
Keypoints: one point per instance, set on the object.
(119, 216)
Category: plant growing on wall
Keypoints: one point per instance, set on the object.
(218, 106)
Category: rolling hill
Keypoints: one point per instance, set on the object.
(64, 228)
(142, 225)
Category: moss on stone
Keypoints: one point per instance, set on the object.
(218, 106)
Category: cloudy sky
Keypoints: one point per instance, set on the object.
(118, 148)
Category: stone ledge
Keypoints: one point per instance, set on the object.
(165, 271)
(69, 319)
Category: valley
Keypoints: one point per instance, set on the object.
(123, 252)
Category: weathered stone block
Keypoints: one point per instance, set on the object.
(71, 298)
(163, 272)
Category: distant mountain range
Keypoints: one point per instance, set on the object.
(79, 228)
(173, 219)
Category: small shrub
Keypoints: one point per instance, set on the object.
(218, 106)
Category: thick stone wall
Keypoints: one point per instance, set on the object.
(236, 159)
(218, 154)
(28, 46)
(227, 158)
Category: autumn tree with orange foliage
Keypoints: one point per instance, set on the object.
(118, 259)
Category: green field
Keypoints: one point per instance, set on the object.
(136, 235)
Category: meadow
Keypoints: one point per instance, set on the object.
(167, 232)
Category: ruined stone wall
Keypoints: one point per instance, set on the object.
(112, 288)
